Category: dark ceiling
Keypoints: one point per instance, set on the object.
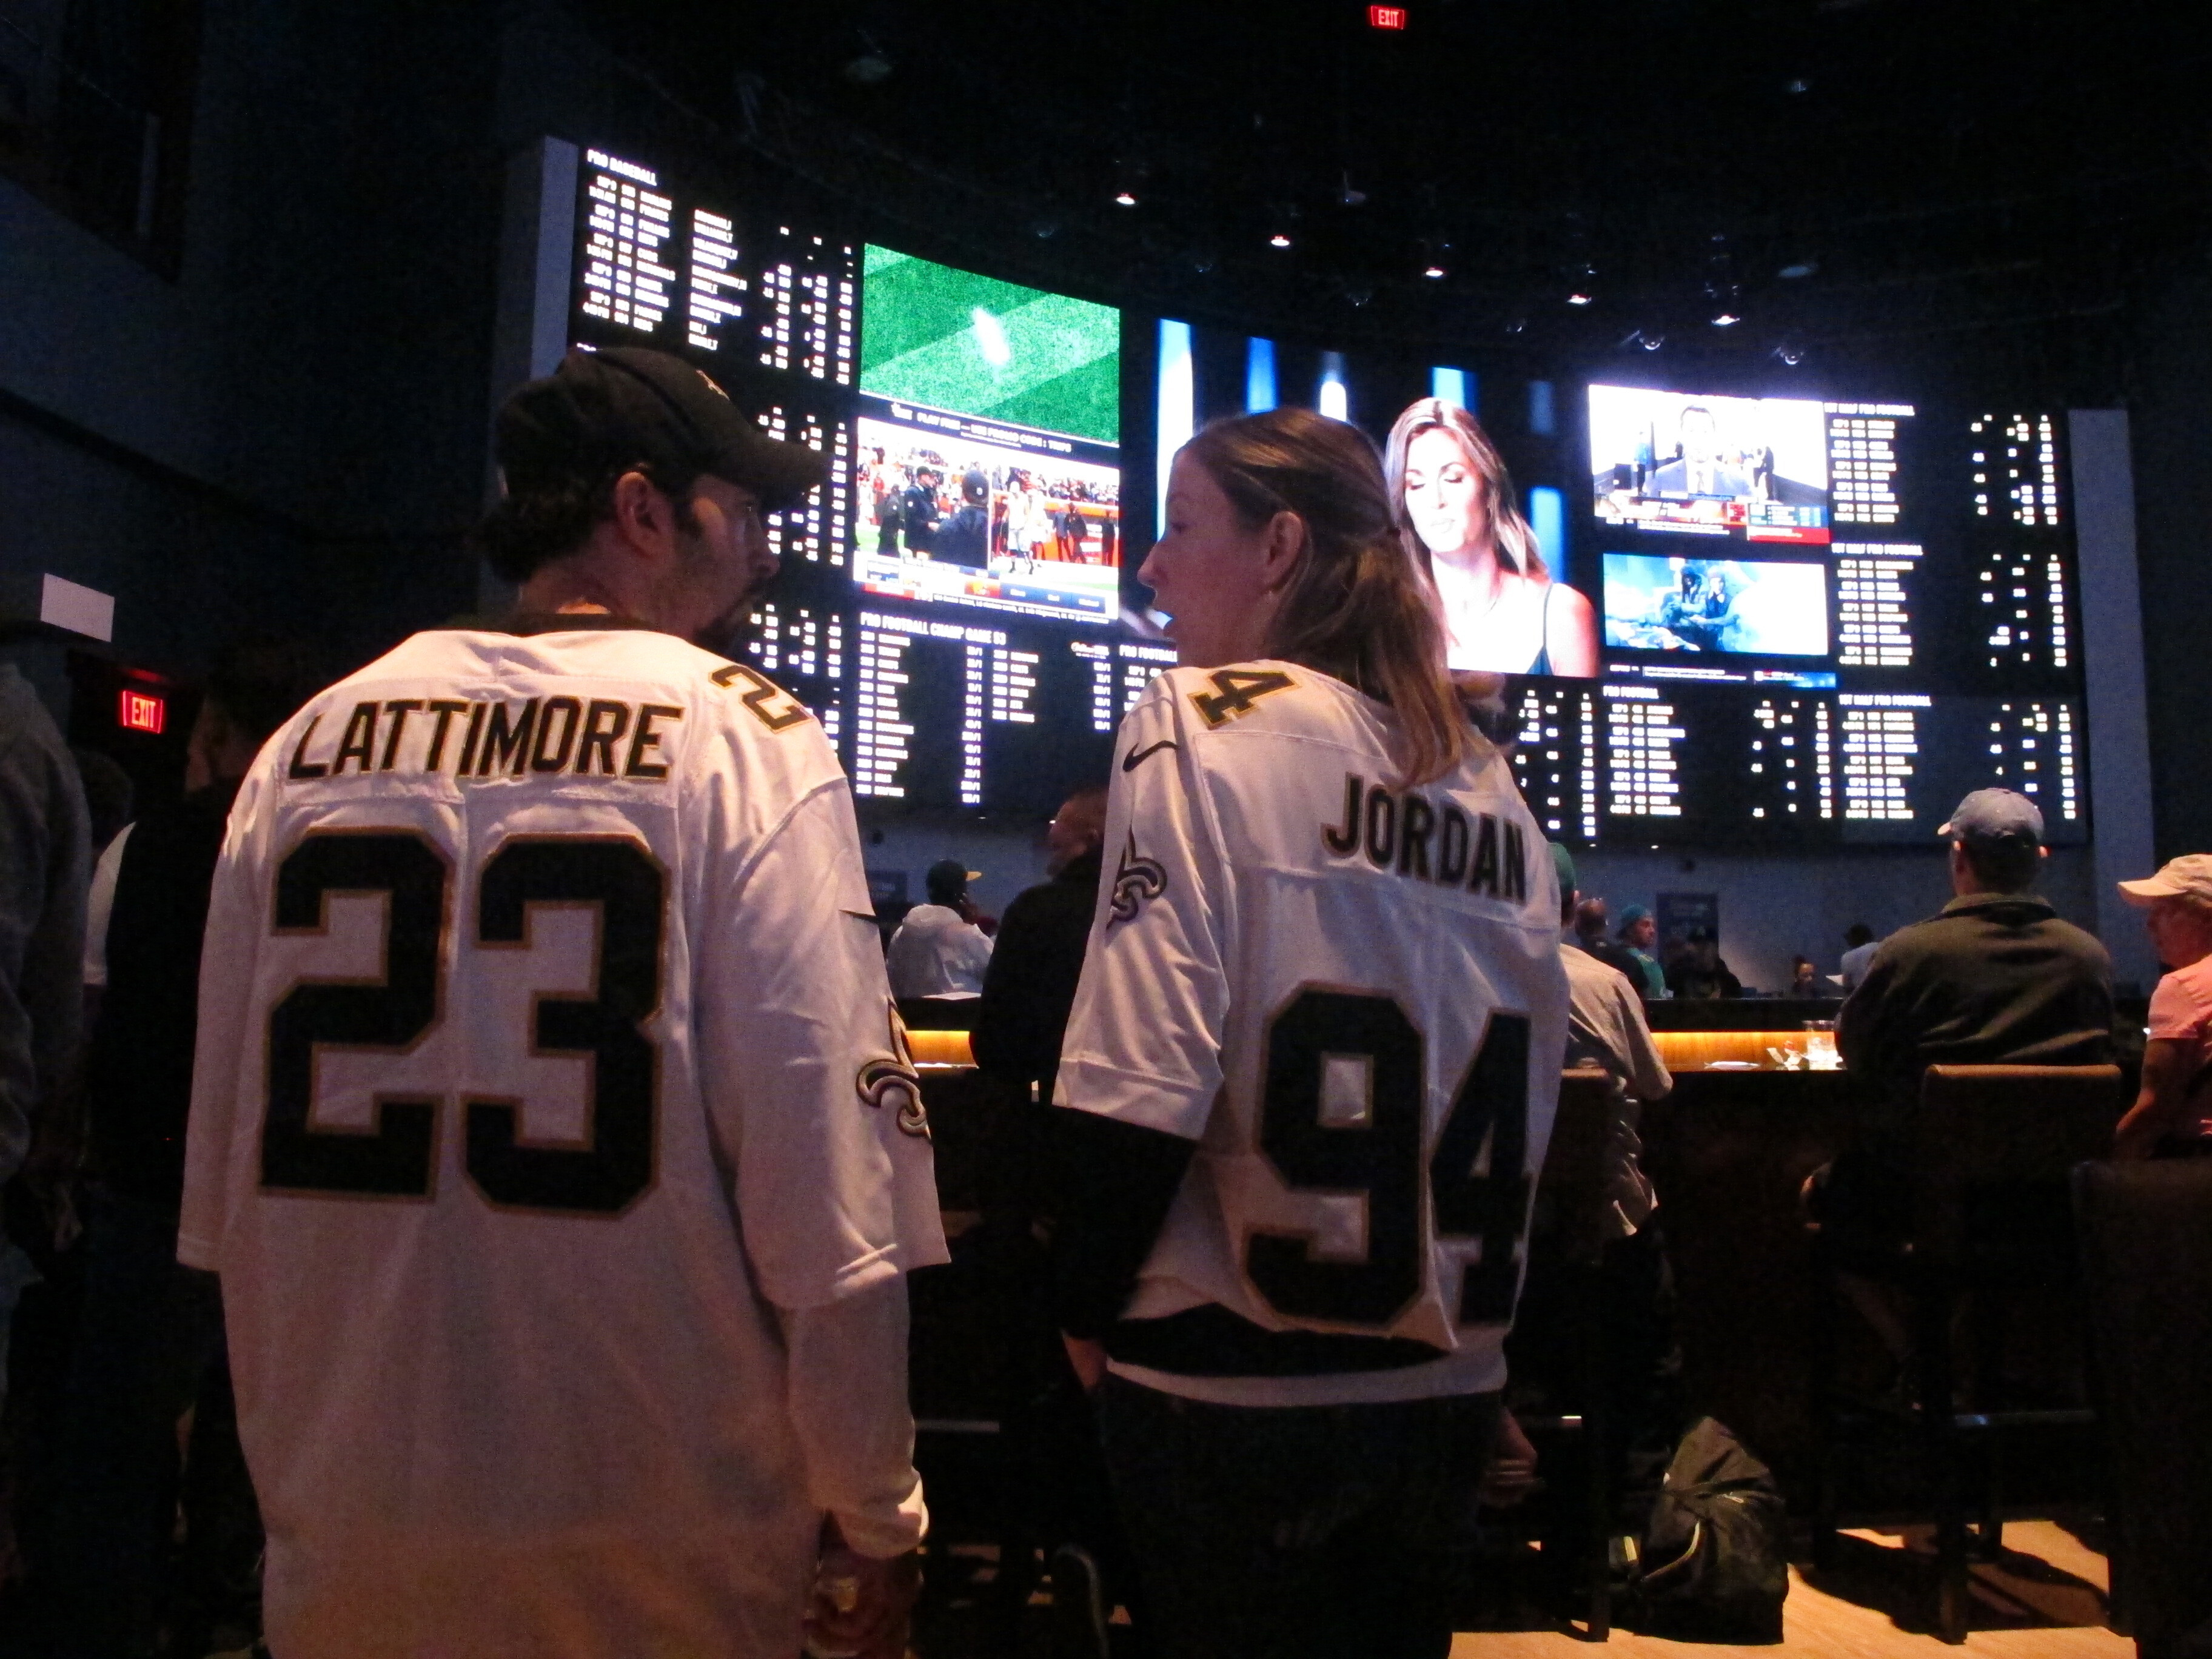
(1831, 171)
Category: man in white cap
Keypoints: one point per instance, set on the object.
(2174, 1113)
(938, 951)
(1997, 978)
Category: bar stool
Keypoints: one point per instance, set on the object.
(1572, 1209)
(1991, 1150)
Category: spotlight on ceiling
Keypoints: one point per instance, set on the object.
(870, 65)
(868, 69)
(1653, 342)
(1791, 352)
(1637, 336)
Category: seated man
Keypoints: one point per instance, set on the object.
(1639, 934)
(1605, 1029)
(1858, 951)
(2173, 1115)
(1590, 925)
(1996, 979)
(1698, 970)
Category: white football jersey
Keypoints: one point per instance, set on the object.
(1349, 994)
(543, 1043)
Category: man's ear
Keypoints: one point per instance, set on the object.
(644, 518)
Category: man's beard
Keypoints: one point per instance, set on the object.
(720, 633)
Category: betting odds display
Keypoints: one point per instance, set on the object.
(951, 602)
(1814, 621)
(1822, 622)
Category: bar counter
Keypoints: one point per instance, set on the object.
(1728, 1152)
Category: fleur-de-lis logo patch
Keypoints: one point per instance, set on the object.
(885, 1079)
(1137, 881)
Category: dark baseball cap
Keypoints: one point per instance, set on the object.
(1996, 815)
(625, 405)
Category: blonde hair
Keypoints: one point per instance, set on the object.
(1509, 533)
(1352, 607)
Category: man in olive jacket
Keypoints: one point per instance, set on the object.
(1997, 978)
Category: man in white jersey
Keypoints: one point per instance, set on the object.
(552, 1130)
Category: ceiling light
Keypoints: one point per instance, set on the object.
(1791, 352)
(1434, 271)
(1579, 297)
(1725, 319)
(1125, 198)
(1653, 342)
(868, 68)
(1280, 238)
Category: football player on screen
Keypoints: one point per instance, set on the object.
(552, 1130)
(1310, 1073)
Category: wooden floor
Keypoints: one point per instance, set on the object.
(2044, 1600)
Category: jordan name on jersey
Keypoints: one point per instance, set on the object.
(1401, 829)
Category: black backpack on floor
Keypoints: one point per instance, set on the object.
(1713, 1564)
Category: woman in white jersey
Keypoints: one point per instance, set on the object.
(1312, 1065)
(1502, 609)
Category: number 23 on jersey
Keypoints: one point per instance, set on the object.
(616, 878)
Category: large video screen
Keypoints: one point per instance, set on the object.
(988, 448)
(1700, 465)
(1741, 607)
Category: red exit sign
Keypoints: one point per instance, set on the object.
(1386, 17)
(141, 711)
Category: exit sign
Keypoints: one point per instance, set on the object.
(1386, 17)
(141, 711)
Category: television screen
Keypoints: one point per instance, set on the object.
(988, 445)
(1743, 607)
(1754, 467)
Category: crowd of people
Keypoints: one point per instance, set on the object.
(506, 1156)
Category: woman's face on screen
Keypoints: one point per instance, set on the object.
(1208, 571)
(1447, 501)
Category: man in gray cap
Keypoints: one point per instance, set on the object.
(1995, 978)
(2174, 1113)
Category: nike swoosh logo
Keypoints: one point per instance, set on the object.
(1137, 756)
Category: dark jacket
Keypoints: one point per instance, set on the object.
(1031, 984)
(138, 1081)
(1688, 979)
(1996, 979)
(45, 845)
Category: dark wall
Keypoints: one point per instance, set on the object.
(2170, 419)
(288, 435)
